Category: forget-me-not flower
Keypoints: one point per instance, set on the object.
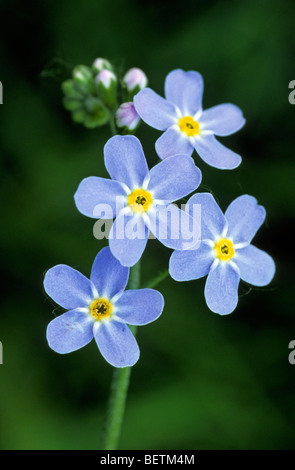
(99, 308)
(226, 254)
(145, 198)
(186, 125)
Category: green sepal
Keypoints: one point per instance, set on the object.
(128, 95)
(126, 131)
(108, 95)
(95, 120)
(97, 113)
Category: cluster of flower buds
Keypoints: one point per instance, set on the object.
(82, 100)
(93, 96)
(127, 118)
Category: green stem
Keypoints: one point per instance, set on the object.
(113, 124)
(134, 277)
(157, 279)
(119, 386)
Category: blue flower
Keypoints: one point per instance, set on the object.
(226, 253)
(99, 308)
(186, 125)
(139, 199)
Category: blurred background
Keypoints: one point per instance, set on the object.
(203, 381)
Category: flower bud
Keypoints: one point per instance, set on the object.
(105, 77)
(101, 64)
(83, 78)
(97, 113)
(71, 104)
(106, 85)
(70, 90)
(79, 116)
(134, 80)
(127, 117)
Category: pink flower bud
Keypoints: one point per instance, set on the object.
(126, 116)
(105, 77)
(135, 78)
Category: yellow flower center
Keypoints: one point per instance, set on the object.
(140, 200)
(101, 308)
(189, 126)
(224, 249)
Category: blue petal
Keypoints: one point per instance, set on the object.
(191, 264)
(173, 142)
(256, 266)
(70, 331)
(68, 287)
(213, 221)
(117, 344)
(221, 289)
(125, 160)
(99, 197)
(128, 238)
(173, 227)
(224, 119)
(174, 178)
(108, 275)
(139, 307)
(185, 90)
(216, 154)
(244, 217)
(154, 110)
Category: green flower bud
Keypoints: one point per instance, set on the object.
(83, 79)
(71, 104)
(79, 116)
(97, 113)
(97, 119)
(70, 90)
(101, 64)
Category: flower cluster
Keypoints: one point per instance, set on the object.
(141, 201)
(94, 95)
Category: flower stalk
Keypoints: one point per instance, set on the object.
(119, 386)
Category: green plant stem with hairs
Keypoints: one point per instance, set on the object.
(119, 386)
(121, 377)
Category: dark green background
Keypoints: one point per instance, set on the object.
(203, 381)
